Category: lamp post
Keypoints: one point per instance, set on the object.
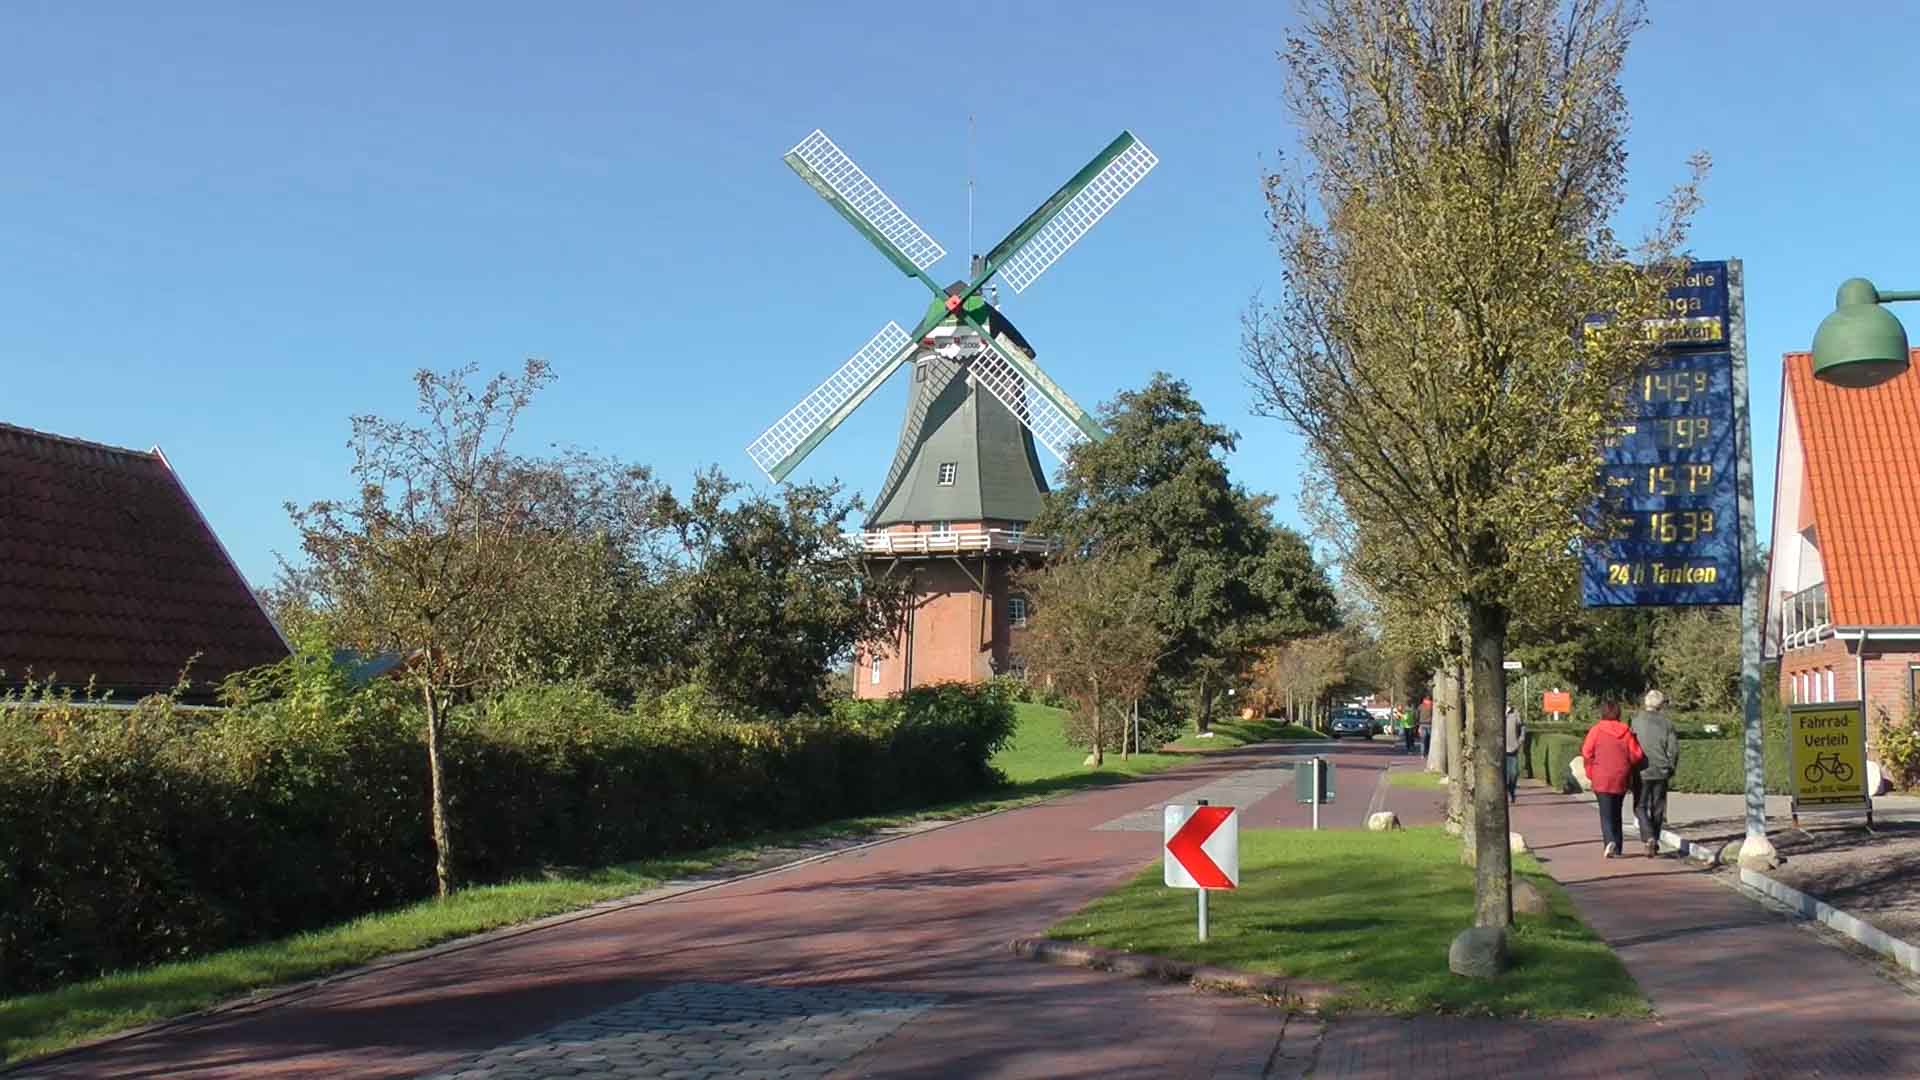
(1861, 344)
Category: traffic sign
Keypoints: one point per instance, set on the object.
(1556, 701)
(1827, 759)
(1202, 847)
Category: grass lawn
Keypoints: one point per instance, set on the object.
(1416, 778)
(1039, 764)
(1238, 732)
(1372, 912)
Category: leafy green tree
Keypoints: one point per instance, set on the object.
(1443, 243)
(1092, 631)
(1696, 654)
(1227, 579)
(768, 594)
(451, 541)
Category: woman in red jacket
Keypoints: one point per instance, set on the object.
(1611, 753)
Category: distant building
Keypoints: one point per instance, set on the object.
(109, 574)
(1843, 595)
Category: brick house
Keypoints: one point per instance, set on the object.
(1843, 590)
(109, 574)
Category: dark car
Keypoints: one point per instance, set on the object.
(1351, 721)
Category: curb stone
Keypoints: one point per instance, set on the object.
(1293, 994)
(1898, 950)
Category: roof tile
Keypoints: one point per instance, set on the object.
(108, 572)
(1863, 473)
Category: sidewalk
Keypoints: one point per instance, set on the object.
(1739, 991)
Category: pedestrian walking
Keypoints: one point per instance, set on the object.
(1654, 731)
(1407, 725)
(1516, 733)
(1426, 728)
(1611, 753)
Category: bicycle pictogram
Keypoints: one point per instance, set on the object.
(1828, 764)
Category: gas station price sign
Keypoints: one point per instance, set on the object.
(1669, 516)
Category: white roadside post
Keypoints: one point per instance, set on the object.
(1316, 792)
(1201, 850)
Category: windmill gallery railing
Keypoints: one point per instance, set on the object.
(957, 542)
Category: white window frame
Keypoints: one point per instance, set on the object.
(1829, 696)
(943, 526)
(949, 472)
(1017, 612)
(873, 673)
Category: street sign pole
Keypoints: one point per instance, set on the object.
(1756, 848)
(1203, 898)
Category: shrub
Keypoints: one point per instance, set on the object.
(1897, 747)
(132, 836)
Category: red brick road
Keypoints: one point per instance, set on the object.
(1740, 992)
(930, 914)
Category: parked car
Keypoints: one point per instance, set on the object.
(1351, 721)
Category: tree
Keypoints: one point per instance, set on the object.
(769, 594)
(1092, 630)
(451, 543)
(1301, 672)
(1442, 249)
(1225, 577)
(1697, 656)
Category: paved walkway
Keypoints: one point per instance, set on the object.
(1739, 991)
(887, 961)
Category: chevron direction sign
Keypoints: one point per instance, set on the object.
(1202, 847)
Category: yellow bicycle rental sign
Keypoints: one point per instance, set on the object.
(1827, 754)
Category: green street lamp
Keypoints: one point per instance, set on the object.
(1861, 344)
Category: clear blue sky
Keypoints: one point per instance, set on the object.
(225, 231)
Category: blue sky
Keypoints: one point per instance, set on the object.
(226, 229)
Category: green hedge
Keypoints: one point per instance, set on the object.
(136, 836)
(1708, 764)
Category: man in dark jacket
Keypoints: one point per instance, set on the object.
(1662, 747)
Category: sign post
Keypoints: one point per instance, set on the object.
(1556, 703)
(1827, 758)
(1202, 850)
(1678, 518)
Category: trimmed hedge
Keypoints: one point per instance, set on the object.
(1708, 764)
(137, 836)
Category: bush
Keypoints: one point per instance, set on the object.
(137, 836)
(1709, 764)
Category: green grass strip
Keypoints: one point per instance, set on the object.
(1373, 913)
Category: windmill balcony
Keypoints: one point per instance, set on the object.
(956, 542)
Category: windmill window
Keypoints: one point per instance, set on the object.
(943, 526)
(949, 470)
(1017, 610)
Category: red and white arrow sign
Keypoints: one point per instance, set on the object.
(1203, 847)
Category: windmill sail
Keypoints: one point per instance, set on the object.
(830, 172)
(781, 447)
(1054, 427)
(1065, 217)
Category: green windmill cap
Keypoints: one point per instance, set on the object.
(1861, 344)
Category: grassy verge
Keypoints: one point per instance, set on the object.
(1238, 732)
(1039, 764)
(1416, 778)
(1374, 913)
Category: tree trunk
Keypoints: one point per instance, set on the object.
(1204, 721)
(1099, 732)
(437, 776)
(1463, 708)
(1493, 864)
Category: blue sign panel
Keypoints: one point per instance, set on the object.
(1669, 517)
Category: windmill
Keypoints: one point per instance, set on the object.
(965, 478)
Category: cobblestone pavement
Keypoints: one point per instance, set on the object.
(701, 1030)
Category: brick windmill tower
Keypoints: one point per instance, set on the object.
(966, 477)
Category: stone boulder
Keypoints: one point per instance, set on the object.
(1478, 953)
(1516, 843)
(1577, 772)
(1384, 821)
(1527, 898)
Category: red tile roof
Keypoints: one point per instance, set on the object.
(1863, 473)
(108, 571)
